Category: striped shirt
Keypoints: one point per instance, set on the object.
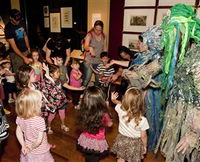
(31, 128)
(106, 73)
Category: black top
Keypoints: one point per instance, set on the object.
(16, 32)
(58, 48)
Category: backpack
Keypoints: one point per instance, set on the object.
(83, 42)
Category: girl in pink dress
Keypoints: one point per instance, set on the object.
(94, 117)
(31, 128)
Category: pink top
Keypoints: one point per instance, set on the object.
(73, 81)
(101, 134)
(31, 128)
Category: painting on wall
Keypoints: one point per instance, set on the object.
(129, 3)
(46, 22)
(66, 17)
(161, 14)
(137, 20)
(55, 22)
(46, 10)
(173, 2)
(130, 41)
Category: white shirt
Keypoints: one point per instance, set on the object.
(130, 129)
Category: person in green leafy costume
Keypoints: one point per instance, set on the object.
(180, 137)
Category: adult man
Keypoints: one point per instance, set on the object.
(18, 40)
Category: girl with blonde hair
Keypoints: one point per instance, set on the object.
(31, 128)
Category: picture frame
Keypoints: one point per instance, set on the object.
(46, 10)
(66, 17)
(55, 23)
(130, 41)
(198, 13)
(46, 22)
(138, 20)
(131, 3)
(160, 15)
(173, 2)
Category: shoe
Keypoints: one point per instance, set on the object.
(50, 130)
(77, 107)
(11, 100)
(6, 111)
(65, 128)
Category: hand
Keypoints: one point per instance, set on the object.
(182, 146)
(114, 77)
(110, 64)
(25, 150)
(27, 60)
(82, 88)
(114, 96)
(45, 67)
(54, 60)
(145, 150)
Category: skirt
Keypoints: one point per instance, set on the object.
(92, 145)
(127, 148)
(44, 157)
(10, 87)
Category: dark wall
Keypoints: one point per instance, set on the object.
(4, 10)
(33, 12)
(116, 26)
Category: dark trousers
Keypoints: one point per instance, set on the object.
(76, 97)
(92, 157)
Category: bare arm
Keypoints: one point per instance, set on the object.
(105, 48)
(68, 54)
(38, 141)
(17, 51)
(87, 45)
(48, 54)
(72, 88)
(114, 96)
(144, 140)
(27, 41)
(77, 76)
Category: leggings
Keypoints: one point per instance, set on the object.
(61, 114)
(92, 157)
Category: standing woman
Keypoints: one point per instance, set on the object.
(95, 43)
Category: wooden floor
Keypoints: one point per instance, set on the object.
(65, 150)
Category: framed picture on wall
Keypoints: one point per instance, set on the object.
(138, 20)
(46, 10)
(131, 3)
(173, 2)
(66, 17)
(130, 41)
(46, 22)
(55, 22)
(160, 15)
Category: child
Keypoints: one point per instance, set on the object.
(93, 119)
(31, 128)
(37, 65)
(105, 73)
(131, 142)
(9, 86)
(75, 81)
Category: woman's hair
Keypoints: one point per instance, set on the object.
(98, 23)
(23, 76)
(133, 104)
(93, 107)
(53, 68)
(28, 103)
(39, 54)
(125, 50)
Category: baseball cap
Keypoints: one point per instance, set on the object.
(15, 14)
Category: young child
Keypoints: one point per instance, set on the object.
(105, 73)
(131, 142)
(31, 128)
(37, 64)
(75, 81)
(9, 85)
(94, 117)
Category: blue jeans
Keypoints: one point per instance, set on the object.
(88, 73)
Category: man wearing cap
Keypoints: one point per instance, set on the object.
(18, 40)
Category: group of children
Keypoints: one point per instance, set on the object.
(42, 96)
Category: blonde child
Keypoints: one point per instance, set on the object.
(94, 118)
(131, 143)
(75, 81)
(37, 64)
(31, 128)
